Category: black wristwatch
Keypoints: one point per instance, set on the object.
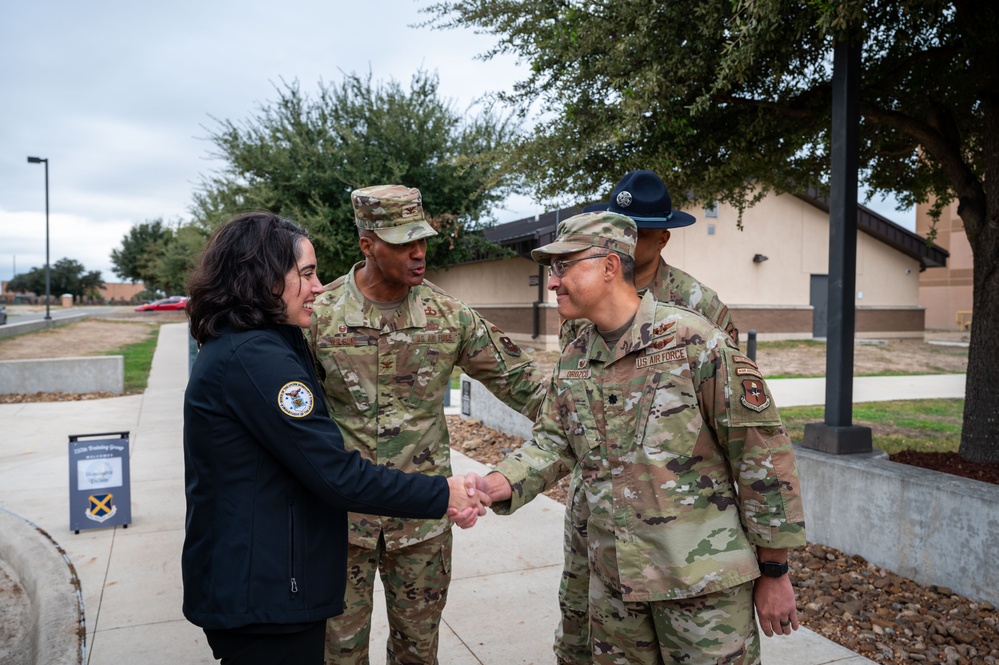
(773, 569)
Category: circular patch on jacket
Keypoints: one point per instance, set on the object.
(295, 399)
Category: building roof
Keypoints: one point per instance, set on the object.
(526, 234)
(927, 253)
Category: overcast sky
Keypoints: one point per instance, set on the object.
(117, 95)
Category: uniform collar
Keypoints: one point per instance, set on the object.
(637, 337)
(359, 312)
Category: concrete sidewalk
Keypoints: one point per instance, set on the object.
(502, 606)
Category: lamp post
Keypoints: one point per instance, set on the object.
(40, 160)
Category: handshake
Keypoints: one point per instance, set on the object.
(469, 499)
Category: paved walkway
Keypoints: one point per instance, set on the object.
(502, 607)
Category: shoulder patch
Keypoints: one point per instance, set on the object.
(754, 395)
(746, 360)
(510, 346)
(295, 399)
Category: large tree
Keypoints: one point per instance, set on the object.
(65, 276)
(301, 158)
(135, 260)
(731, 100)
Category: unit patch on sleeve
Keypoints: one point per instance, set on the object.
(295, 399)
(754, 396)
(510, 346)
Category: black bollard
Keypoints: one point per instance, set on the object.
(751, 345)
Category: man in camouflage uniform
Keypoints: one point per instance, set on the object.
(642, 196)
(385, 342)
(689, 476)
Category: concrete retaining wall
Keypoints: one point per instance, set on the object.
(50, 581)
(491, 412)
(104, 374)
(11, 329)
(930, 527)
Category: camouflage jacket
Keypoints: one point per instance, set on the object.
(385, 382)
(684, 461)
(676, 287)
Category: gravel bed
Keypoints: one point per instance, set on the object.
(870, 610)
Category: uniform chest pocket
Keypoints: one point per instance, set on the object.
(428, 373)
(343, 376)
(575, 403)
(669, 419)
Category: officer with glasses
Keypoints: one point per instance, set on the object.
(688, 475)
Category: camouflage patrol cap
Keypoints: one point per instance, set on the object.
(393, 212)
(590, 229)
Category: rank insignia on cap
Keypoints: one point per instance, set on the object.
(754, 396)
(295, 399)
(510, 346)
(624, 199)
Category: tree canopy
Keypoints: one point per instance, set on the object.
(65, 276)
(731, 100)
(158, 255)
(302, 157)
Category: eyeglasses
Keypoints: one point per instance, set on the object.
(558, 265)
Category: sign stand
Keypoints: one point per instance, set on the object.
(99, 481)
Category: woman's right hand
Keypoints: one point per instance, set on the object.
(466, 503)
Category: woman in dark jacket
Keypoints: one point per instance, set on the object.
(268, 482)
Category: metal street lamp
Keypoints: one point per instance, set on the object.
(40, 160)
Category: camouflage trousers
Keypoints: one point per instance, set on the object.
(714, 629)
(572, 635)
(416, 579)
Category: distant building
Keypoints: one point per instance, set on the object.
(116, 293)
(121, 292)
(773, 274)
(946, 291)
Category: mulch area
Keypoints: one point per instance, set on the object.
(949, 463)
(868, 609)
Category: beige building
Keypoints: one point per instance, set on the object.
(946, 291)
(121, 292)
(773, 274)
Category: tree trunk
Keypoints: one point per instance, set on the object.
(980, 436)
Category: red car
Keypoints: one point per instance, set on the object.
(165, 304)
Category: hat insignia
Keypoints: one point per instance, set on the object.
(624, 199)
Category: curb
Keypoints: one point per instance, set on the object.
(57, 632)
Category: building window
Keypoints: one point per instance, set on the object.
(711, 229)
(711, 210)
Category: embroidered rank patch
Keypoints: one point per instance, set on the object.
(670, 355)
(510, 346)
(295, 399)
(748, 371)
(744, 360)
(754, 396)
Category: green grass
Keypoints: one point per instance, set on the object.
(138, 359)
(928, 425)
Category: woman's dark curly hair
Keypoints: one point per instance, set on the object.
(240, 277)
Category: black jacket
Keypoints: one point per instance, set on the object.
(268, 486)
